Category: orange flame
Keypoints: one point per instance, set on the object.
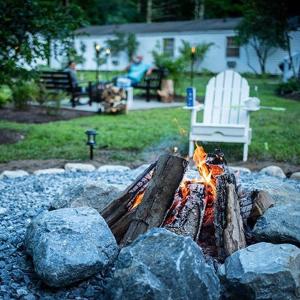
(137, 200)
(208, 173)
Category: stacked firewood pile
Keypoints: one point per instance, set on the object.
(114, 99)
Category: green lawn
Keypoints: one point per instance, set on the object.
(276, 135)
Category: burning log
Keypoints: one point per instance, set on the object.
(228, 222)
(206, 209)
(185, 216)
(158, 196)
(234, 238)
(117, 213)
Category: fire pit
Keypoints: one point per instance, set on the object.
(207, 207)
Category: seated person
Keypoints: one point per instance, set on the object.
(136, 71)
(73, 73)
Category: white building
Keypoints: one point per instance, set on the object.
(223, 54)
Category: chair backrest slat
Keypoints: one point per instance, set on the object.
(224, 98)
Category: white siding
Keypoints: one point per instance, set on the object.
(215, 60)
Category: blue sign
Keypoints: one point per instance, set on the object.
(190, 96)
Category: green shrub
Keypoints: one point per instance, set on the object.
(23, 92)
(5, 95)
(290, 87)
(51, 100)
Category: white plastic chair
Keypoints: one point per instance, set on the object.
(226, 112)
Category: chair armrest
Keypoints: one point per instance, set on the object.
(251, 104)
(197, 107)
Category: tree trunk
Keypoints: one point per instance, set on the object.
(149, 11)
(199, 10)
(158, 197)
(290, 54)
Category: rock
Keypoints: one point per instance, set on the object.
(273, 171)
(295, 176)
(13, 174)
(69, 245)
(163, 265)
(76, 167)
(3, 211)
(95, 195)
(49, 171)
(279, 224)
(262, 271)
(239, 170)
(113, 168)
(281, 191)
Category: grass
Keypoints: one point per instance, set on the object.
(276, 135)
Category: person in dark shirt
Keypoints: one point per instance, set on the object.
(73, 73)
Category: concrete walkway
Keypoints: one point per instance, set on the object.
(137, 104)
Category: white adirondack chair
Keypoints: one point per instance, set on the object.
(226, 112)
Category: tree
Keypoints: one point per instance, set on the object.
(26, 27)
(123, 42)
(264, 27)
(200, 51)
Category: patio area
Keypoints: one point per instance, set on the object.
(137, 104)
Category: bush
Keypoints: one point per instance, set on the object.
(5, 95)
(49, 99)
(287, 88)
(23, 92)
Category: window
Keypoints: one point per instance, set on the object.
(168, 47)
(232, 48)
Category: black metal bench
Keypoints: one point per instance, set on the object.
(151, 82)
(62, 81)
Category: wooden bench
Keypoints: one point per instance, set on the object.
(62, 81)
(150, 83)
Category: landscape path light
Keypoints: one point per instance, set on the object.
(91, 141)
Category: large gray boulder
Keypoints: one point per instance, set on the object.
(95, 195)
(70, 244)
(163, 265)
(273, 171)
(279, 224)
(263, 271)
(282, 191)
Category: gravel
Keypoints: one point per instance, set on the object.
(23, 198)
(20, 200)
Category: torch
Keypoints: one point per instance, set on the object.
(193, 56)
(97, 49)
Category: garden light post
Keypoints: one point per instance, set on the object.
(97, 49)
(91, 141)
(107, 53)
(193, 56)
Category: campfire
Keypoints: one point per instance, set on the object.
(208, 207)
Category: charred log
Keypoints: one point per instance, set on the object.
(188, 220)
(114, 213)
(158, 197)
(234, 237)
(261, 202)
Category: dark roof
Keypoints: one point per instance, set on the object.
(175, 26)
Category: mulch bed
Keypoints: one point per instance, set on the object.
(9, 136)
(37, 115)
